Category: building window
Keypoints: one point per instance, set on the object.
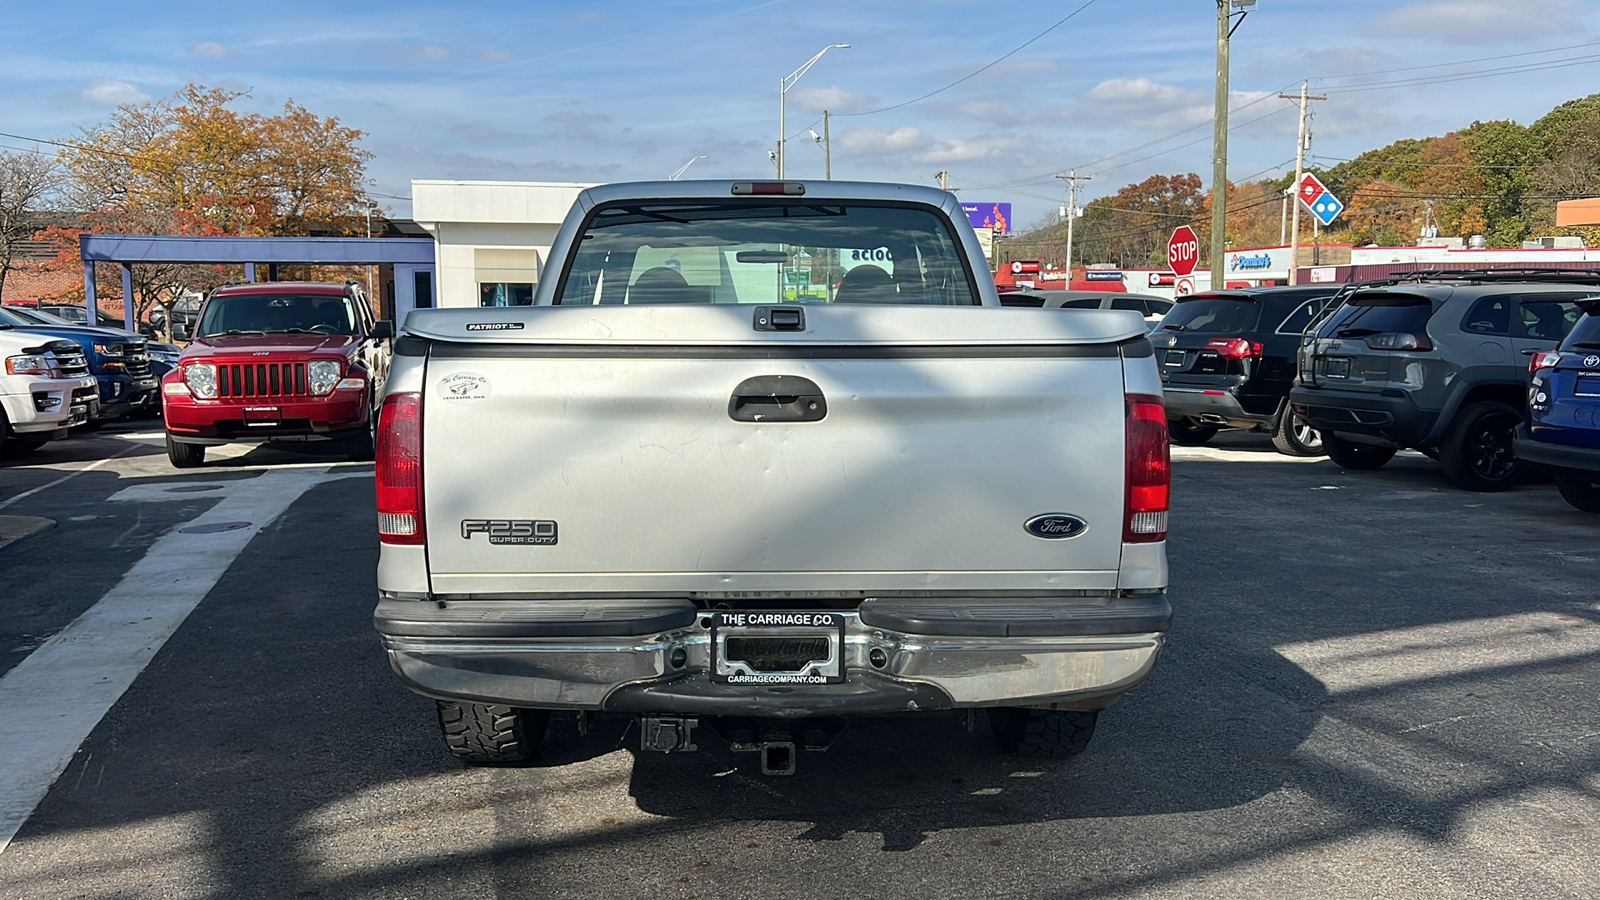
(506, 275)
(504, 293)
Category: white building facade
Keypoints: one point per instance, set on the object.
(491, 238)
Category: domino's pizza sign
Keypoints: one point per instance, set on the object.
(1317, 198)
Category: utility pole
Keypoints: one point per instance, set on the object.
(1283, 217)
(1072, 178)
(1219, 134)
(941, 176)
(1299, 171)
(827, 150)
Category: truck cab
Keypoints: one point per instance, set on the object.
(278, 361)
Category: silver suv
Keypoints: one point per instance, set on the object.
(1437, 362)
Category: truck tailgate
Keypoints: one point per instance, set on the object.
(597, 450)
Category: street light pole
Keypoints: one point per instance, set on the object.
(684, 168)
(787, 82)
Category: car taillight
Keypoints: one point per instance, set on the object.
(1149, 470)
(1543, 359)
(399, 469)
(1234, 348)
(1398, 340)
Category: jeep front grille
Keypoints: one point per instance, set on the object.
(261, 380)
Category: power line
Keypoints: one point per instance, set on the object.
(980, 71)
(1459, 62)
(1463, 76)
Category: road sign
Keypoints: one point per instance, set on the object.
(1183, 287)
(1183, 250)
(1326, 208)
(1310, 189)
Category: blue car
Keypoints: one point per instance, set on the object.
(119, 361)
(1562, 433)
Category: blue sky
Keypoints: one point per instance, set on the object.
(632, 90)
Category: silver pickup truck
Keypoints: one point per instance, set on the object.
(763, 456)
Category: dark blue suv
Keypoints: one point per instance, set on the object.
(1562, 433)
(119, 361)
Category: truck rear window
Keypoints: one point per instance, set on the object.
(732, 252)
(1378, 313)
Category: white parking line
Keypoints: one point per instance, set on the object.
(72, 474)
(51, 701)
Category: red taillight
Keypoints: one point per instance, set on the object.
(1149, 471)
(1234, 348)
(399, 469)
(1543, 359)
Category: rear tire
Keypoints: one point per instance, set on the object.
(482, 734)
(1584, 495)
(1042, 732)
(185, 456)
(1356, 457)
(1189, 433)
(1293, 437)
(1476, 451)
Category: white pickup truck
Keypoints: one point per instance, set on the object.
(763, 456)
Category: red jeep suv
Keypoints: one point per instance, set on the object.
(277, 361)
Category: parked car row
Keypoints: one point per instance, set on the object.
(1486, 371)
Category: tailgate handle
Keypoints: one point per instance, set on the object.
(777, 398)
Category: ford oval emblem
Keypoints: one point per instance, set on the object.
(1056, 526)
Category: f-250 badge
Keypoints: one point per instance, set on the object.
(511, 531)
(463, 387)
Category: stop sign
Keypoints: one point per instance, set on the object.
(1183, 250)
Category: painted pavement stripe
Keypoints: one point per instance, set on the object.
(51, 701)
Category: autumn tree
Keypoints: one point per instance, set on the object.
(26, 181)
(194, 164)
(1131, 227)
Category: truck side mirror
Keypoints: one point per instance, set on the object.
(180, 331)
(382, 330)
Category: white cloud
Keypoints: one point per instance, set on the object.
(211, 49)
(110, 92)
(968, 149)
(432, 52)
(1142, 103)
(879, 142)
(832, 99)
(1479, 21)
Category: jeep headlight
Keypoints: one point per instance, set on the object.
(322, 375)
(201, 379)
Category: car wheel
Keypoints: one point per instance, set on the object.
(481, 734)
(1294, 437)
(1189, 432)
(1584, 495)
(1042, 732)
(1476, 451)
(185, 456)
(363, 446)
(1354, 456)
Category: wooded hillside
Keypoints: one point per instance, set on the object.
(1498, 179)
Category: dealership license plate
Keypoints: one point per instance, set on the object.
(777, 647)
(1587, 386)
(1337, 368)
(1174, 358)
(255, 416)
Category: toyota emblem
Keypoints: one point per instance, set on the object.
(1591, 362)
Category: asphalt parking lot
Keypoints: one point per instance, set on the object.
(1377, 686)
